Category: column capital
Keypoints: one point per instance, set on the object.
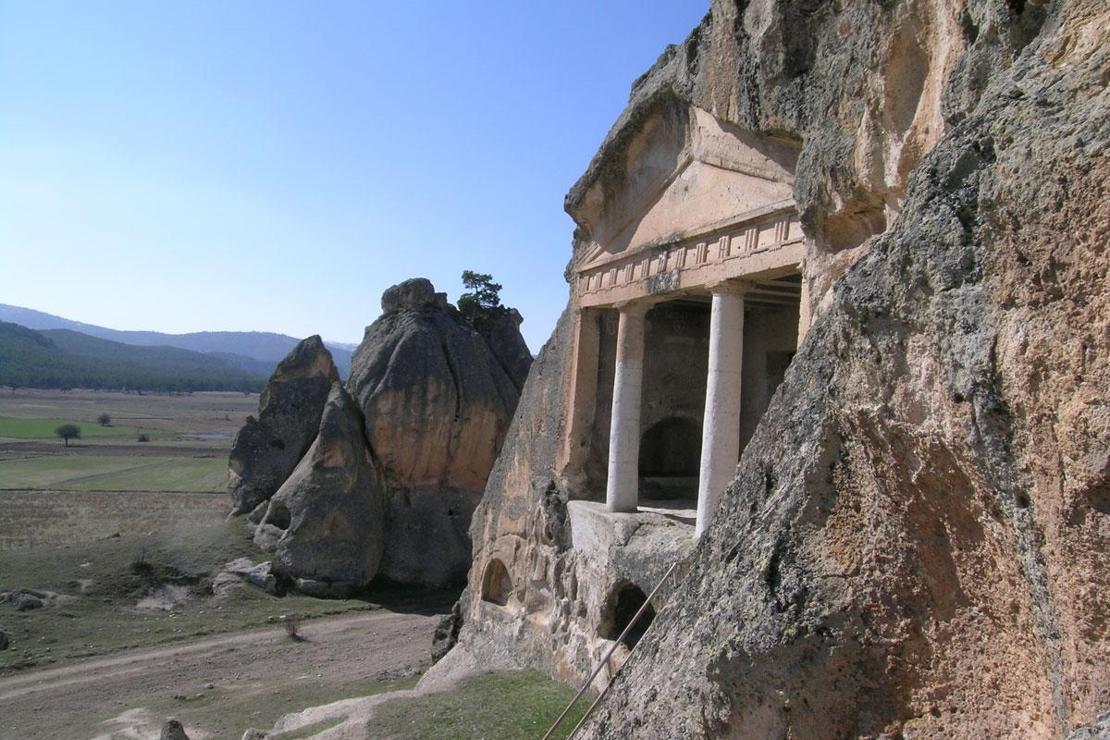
(731, 287)
(637, 308)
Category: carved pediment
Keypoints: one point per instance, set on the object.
(686, 173)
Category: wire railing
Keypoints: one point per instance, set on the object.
(605, 661)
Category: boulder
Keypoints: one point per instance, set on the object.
(173, 730)
(5, 641)
(326, 524)
(268, 447)
(436, 404)
(412, 293)
(243, 571)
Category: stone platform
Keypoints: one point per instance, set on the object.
(634, 547)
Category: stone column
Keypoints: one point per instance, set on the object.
(720, 438)
(622, 489)
(581, 393)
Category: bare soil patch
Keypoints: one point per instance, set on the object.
(218, 687)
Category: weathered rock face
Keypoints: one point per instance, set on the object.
(268, 447)
(502, 334)
(913, 542)
(436, 405)
(326, 523)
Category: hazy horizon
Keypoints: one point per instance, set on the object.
(272, 167)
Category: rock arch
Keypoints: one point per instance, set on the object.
(497, 584)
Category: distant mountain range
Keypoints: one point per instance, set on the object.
(254, 351)
(61, 358)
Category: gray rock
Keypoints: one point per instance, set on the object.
(412, 293)
(326, 523)
(173, 730)
(326, 589)
(5, 641)
(436, 405)
(1097, 730)
(244, 571)
(258, 513)
(268, 447)
(27, 602)
(502, 334)
(446, 634)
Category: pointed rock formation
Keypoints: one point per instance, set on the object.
(325, 525)
(268, 447)
(436, 404)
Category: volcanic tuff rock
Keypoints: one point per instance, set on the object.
(268, 447)
(914, 540)
(328, 518)
(436, 404)
(389, 468)
(502, 334)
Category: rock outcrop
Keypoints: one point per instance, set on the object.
(381, 476)
(268, 447)
(436, 404)
(913, 541)
(502, 333)
(326, 524)
(173, 730)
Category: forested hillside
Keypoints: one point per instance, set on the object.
(67, 359)
(249, 350)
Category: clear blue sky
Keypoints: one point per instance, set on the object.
(275, 165)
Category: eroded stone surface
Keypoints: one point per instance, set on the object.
(268, 447)
(436, 405)
(326, 524)
(912, 543)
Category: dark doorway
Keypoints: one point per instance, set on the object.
(623, 605)
(670, 454)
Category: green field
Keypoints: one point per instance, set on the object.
(208, 474)
(44, 429)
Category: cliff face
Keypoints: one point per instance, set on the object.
(915, 538)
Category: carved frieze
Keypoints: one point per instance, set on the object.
(763, 244)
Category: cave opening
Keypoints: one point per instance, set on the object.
(622, 607)
(497, 584)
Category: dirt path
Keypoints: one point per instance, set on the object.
(217, 686)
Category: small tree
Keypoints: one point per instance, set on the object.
(68, 432)
(482, 301)
(103, 420)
